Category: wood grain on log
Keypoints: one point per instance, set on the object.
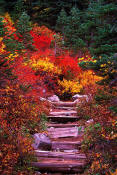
(60, 166)
(61, 125)
(63, 155)
(68, 104)
(65, 113)
(62, 132)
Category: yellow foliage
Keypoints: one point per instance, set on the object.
(88, 78)
(8, 23)
(70, 86)
(11, 56)
(7, 16)
(45, 65)
(2, 45)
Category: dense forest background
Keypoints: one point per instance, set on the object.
(92, 24)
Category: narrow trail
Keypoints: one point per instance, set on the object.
(65, 157)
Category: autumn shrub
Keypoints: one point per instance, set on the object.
(88, 78)
(19, 119)
(68, 88)
(20, 107)
(101, 132)
(69, 66)
(42, 37)
(45, 65)
(103, 66)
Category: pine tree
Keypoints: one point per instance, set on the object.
(62, 21)
(2, 30)
(19, 8)
(2, 7)
(23, 30)
(70, 27)
(100, 21)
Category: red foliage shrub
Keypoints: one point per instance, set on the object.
(68, 65)
(41, 42)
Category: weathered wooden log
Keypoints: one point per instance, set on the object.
(63, 155)
(65, 145)
(65, 113)
(61, 125)
(68, 104)
(62, 132)
(63, 119)
(60, 166)
(65, 108)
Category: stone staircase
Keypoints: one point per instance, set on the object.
(65, 156)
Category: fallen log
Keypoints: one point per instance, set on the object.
(60, 166)
(65, 113)
(62, 132)
(65, 145)
(63, 155)
(66, 104)
(61, 125)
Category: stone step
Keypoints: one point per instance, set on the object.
(61, 155)
(60, 165)
(65, 113)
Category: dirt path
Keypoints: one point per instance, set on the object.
(65, 156)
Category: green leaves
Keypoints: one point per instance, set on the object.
(70, 28)
(24, 25)
(97, 126)
(2, 31)
(23, 31)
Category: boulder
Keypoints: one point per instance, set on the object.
(78, 97)
(54, 98)
(43, 99)
(77, 101)
(88, 122)
(42, 141)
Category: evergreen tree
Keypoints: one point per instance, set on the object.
(94, 28)
(100, 21)
(2, 7)
(46, 12)
(70, 28)
(2, 30)
(19, 8)
(23, 30)
(73, 34)
(62, 22)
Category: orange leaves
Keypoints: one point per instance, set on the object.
(19, 117)
(8, 158)
(88, 78)
(100, 135)
(24, 144)
(9, 24)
